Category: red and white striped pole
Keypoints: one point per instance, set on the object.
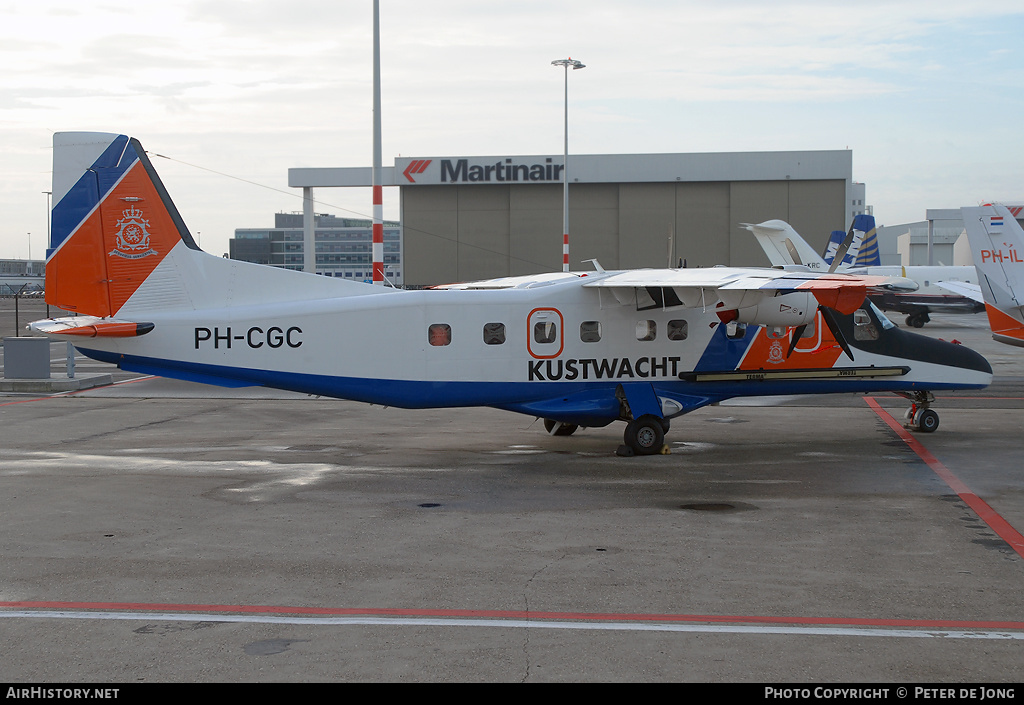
(378, 189)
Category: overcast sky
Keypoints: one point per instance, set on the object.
(927, 94)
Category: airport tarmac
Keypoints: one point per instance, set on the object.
(159, 531)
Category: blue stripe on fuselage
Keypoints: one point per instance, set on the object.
(587, 403)
(723, 352)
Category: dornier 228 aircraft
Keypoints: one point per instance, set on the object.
(575, 349)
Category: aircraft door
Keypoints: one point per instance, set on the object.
(545, 328)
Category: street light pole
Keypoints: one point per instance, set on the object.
(566, 63)
(48, 194)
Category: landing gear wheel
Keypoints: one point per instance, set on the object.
(920, 416)
(917, 320)
(557, 428)
(645, 435)
(926, 420)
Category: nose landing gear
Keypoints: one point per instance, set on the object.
(919, 417)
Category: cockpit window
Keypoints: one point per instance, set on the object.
(886, 323)
(864, 327)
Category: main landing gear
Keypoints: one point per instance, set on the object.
(644, 436)
(919, 417)
(917, 320)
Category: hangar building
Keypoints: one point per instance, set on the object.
(466, 218)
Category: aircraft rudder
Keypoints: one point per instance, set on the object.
(997, 246)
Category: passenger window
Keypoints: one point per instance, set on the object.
(494, 333)
(646, 330)
(545, 331)
(590, 331)
(439, 334)
(677, 330)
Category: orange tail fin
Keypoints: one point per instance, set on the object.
(112, 222)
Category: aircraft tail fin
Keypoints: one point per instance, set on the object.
(997, 245)
(119, 247)
(867, 255)
(784, 246)
(863, 249)
(112, 223)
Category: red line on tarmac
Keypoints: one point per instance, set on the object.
(23, 401)
(980, 506)
(143, 607)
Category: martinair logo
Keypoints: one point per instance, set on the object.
(132, 236)
(416, 166)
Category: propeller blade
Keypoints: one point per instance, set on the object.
(844, 247)
(833, 325)
(797, 334)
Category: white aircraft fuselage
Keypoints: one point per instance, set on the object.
(576, 349)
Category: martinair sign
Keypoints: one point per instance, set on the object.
(478, 170)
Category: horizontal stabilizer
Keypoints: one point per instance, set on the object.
(90, 327)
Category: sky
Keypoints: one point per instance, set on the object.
(232, 93)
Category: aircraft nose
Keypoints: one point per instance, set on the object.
(965, 358)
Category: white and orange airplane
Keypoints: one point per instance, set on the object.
(575, 349)
(997, 245)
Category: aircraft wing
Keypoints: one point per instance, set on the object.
(965, 289)
(741, 288)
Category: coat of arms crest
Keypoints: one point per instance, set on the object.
(132, 236)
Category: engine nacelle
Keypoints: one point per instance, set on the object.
(789, 310)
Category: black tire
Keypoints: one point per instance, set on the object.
(645, 435)
(926, 421)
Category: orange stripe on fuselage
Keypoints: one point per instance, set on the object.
(115, 249)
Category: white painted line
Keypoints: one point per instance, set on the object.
(519, 623)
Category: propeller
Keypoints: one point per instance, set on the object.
(829, 316)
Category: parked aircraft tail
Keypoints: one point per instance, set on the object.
(784, 246)
(997, 244)
(863, 244)
(120, 250)
(868, 255)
